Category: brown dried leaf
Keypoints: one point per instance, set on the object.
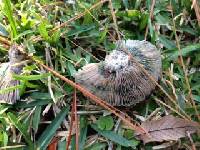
(166, 129)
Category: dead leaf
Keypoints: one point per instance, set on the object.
(166, 129)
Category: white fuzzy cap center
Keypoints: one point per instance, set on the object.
(116, 60)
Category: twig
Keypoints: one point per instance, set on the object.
(96, 99)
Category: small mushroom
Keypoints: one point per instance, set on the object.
(7, 94)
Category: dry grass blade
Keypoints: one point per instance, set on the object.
(166, 129)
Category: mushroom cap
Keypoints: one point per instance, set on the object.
(15, 55)
(120, 81)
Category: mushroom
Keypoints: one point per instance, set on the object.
(7, 94)
(120, 81)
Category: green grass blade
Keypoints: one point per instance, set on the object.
(115, 137)
(9, 89)
(83, 132)
(31, 77)
(49, 132)
(36, 118)
(9, 14)
(185, 51)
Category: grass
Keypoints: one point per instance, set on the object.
(66, 36)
